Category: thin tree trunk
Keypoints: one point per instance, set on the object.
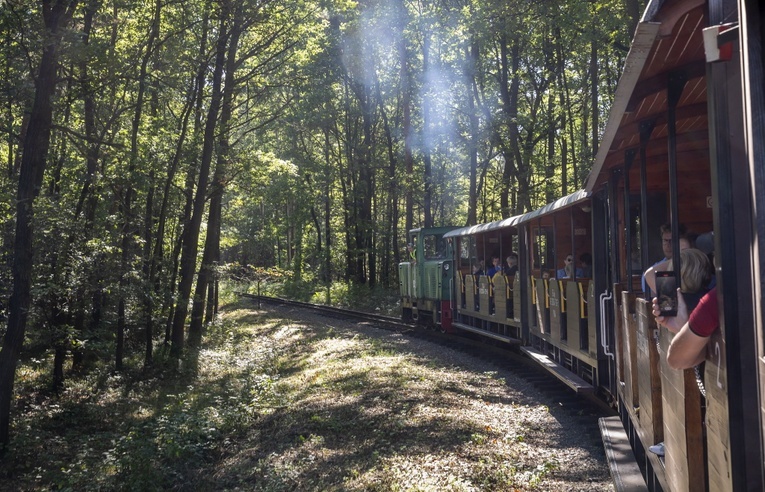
(594, 96)
(56, 16)
(471, 58)
(148, 304)
(191, 231)
(196, 98)
(327, 212)
(211, 254)
(509, 87)
(406, 107)
(427, 137)
(87, 200)
(129, 231)
(391, 215)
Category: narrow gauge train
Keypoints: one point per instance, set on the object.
(685, 145)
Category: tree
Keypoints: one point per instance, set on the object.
(56, 16)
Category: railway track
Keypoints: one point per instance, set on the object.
(586, 408)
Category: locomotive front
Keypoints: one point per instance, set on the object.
(426, 279)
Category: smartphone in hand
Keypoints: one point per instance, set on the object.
(666, 292)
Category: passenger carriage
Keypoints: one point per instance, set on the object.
(684, 143)
(554, 320)
(488, 306)
(563, 321)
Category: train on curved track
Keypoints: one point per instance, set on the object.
(685, 145)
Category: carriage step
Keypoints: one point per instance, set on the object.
(625, 471)
(569, 378)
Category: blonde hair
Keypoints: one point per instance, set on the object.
(695, 270)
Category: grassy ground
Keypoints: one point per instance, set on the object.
(273, 404)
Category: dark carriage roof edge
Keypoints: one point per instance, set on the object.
(478, 228)
(432, 230)
(515, 220)
(645, 35)
(558, 204)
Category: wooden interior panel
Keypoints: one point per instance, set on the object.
(573, 315)
(483, 295)
(500, 298)
(554, 294)
(593, 329)
(683, 432)
(471, 293)
(717, 416)
(648, 375)
(629, 337)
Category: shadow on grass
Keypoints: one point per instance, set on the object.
(253, 408)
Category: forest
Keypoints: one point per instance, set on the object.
(152, 149)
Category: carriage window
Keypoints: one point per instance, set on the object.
(657, 215)
(514, 243)
(542, 253)
(635, 230)
(434, 246)
(464, 245)
(465, 248)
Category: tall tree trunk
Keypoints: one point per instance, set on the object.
(148, 301)
(191, 230)
(427, 136)
(147, 260)
(391, 214)
(406, 109)
(126, 204)
(367, 188)
(212, 241)
(551, 191)
(56, 16)
(471, 59)
(195, 101)
(509, 87)
(59, 260)
(327, 212)
(86, 204)
(568, 156)
(594, 95)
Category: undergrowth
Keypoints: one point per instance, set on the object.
(277, 404)
(281, 283)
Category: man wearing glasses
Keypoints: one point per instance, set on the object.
(666, 246)
(568, 270)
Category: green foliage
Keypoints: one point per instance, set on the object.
(358, 297)
(342, 115)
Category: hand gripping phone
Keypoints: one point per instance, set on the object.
(666, 292)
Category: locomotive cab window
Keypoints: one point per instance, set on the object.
(434, 246)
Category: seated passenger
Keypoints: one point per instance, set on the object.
(477, 270)
(666, 246)
(512, 265)
(495, 267)
(568, 270)
(695, 275)
(688, 348)
(586, 261)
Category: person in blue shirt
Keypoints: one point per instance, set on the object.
(568, 270)
(495, 267)
(666, 247)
